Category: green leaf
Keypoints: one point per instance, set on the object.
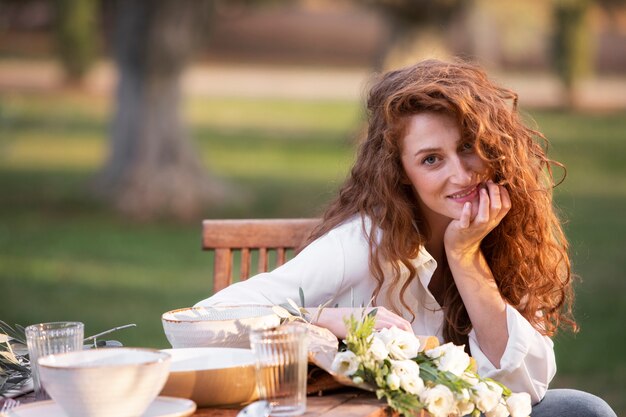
(281, 312)
(301, 291)
(294, 305)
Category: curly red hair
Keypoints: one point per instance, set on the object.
(527, 251)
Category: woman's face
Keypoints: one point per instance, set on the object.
(443, 168)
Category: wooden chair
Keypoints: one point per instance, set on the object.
(265, 236)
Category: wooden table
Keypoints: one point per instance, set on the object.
(346, 402)
(341, 403)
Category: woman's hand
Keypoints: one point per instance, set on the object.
(464, 235)
(333, 319)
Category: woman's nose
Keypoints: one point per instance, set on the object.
(462, 172)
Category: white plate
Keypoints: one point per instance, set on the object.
(160, 407)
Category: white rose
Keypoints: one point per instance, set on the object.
(377, 349)
(400, 344)
(409, 373)
(393, 381)
(519, 404)
(464, 405)
(499, 410)
(345, 363)
(484, 398)
(450, 357)
(439, 400)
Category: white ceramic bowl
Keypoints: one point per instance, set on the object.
(224, 326)
(119, 382)
(212, 376)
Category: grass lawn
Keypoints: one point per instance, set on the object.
(65, 257)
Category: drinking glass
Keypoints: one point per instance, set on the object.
(281, 367)
(48, 338)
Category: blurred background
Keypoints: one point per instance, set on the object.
(124, 123)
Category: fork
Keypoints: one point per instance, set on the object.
(9, 404)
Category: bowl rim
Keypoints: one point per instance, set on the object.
(172, 320)
(211, 348)
(160, 358)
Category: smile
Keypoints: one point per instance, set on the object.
(465, 193)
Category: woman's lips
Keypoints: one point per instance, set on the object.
(465, 195)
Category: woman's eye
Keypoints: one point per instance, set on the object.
(468, 146)
(429, 160)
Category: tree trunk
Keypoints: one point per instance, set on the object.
(572, 46)
(153, 170)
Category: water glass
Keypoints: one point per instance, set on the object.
(281, 367)
(48, 338)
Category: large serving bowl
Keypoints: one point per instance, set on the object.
(212, 376)
(227, 326)
(119, 382)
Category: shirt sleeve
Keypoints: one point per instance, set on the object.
(528, 363)
(318, 269)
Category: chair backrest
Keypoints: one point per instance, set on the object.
(225, 237)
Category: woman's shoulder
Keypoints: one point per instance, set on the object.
(357, 228)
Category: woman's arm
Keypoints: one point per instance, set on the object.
(472, 275)
(317, 269)
(527, 364)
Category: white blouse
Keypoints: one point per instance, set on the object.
(336, 266)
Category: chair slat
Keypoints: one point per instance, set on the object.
(263, 261)
(244, 270)
(222, 276)
(280, 256)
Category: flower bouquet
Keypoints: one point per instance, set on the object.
(413, 378)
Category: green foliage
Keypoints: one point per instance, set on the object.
(358, 330)
(77, 35)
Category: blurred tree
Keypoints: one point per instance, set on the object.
(77, 36)
(153, 170)
(415, 25)
(572, 44)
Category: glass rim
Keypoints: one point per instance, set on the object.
(54, 325)
(281, 330)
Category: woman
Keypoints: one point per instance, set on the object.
(446, 224)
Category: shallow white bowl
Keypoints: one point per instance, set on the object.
(224, 326)
(212, 376)
(119, 382)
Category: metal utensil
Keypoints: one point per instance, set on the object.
(9, 404)
(259, 408)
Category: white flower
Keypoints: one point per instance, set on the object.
(450, 357)
(499, 410)
(377, 349)
(393, 381)
(439, 400)
(409, 373)
(484, 398)
(464, 405)
(495, 387)
(345, 363)
(357, 380)
(400, 344)
(519, 404)
(470, 377)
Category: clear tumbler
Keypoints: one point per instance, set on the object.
(48, 338)
(281, 367)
